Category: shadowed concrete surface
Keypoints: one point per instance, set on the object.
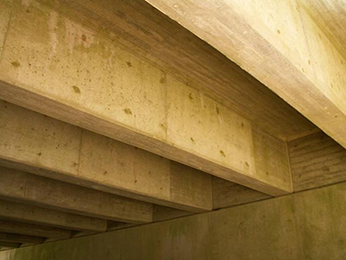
(115, 115)
(306, 225)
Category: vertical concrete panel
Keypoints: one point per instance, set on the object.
(306, 225)
(223, 137)
(120, 165)
(36, 139)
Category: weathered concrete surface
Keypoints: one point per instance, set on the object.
(63, 69)
(306, 225)
(35, 143)
(279, 44)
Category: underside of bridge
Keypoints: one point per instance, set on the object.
(165, 129)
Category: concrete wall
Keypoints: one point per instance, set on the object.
(306, 225)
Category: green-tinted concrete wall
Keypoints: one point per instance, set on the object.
(307, 225)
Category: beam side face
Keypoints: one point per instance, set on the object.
(227, 194)
(179, 52)
(23, 239)
(316, 161)
(40, 191)
(33, 230)
(38, 144)
(48, 217)
(76, 75)
(278, 43)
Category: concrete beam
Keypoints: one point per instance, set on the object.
(33, 230)
(227, 194)
(316, 160)
(112, 225)
(44, 192)
(8, 245)
(164, 213)
(281, 46)
(330, 17)
(38, 144)
(179, 52)
(30, 214)
(22, 239)
(74, 74)
(304, 225)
